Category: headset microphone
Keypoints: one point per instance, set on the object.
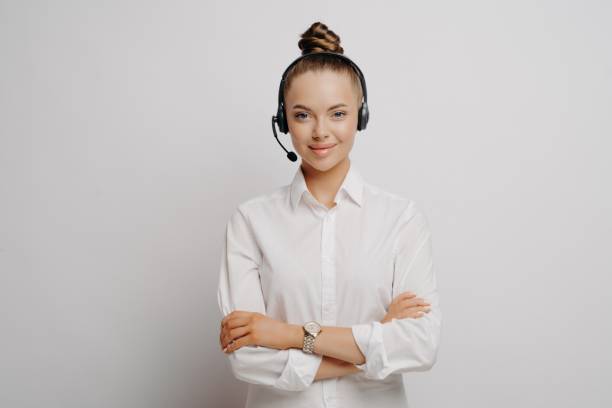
(290, 155)
(280, 118)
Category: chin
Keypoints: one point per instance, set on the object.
(324, 164)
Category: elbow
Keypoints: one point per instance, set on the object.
(256, 373)
(428, 359)
(245, 376)
(413, 363)
(425, 356)
(243, 372)
(428, 355)
(420, 361)
(418, 354)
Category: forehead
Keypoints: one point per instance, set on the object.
(320, 88)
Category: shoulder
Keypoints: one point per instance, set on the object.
(397, 205)
(257, 204)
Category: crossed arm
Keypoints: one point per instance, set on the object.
(337, 345)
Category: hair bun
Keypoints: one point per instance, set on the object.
(319, 38)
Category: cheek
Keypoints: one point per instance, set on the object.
(347, 128)
(300, 132)
(346, 134)
(300, 139)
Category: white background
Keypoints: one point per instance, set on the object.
(129, 132)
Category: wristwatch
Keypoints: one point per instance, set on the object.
(311, 331)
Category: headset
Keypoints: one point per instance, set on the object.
(281, 118)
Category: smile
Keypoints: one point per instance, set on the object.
(322, 152)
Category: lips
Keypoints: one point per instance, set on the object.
(323, 146)
(322, 150)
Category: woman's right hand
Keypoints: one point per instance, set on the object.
(406, 304)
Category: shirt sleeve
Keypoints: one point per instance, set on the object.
(240, 289)
(407, 344)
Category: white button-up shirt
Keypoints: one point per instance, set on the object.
(290, 257)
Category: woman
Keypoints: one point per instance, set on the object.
(326, 284)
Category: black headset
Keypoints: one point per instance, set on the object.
(281, 118)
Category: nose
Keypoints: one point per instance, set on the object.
(320, 130)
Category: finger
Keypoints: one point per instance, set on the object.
(414, 312)
(241, 313)
(226, 318)
(225, 337)
(420, 308)
(233, 314)
(237, 321)
(405, 295)
(410, 315)
(414, 302)
(242, 341)
(234, 334)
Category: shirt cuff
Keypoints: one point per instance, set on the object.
(300, 370)
(369, 339)
(361, 334)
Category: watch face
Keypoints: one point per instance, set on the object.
(312, 327)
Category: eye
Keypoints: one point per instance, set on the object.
(297, 115)
(341, 112)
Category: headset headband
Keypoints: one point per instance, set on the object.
(335, 54)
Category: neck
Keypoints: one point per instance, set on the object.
(324, 185)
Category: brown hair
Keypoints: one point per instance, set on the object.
(316, 39)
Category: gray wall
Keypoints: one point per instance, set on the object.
(129, 131)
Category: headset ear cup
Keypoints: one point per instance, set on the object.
(279, 121)
(364, 115)
(285, 124)
(282, 121)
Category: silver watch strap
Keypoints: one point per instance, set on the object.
(309, 341)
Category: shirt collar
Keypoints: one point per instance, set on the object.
(352, 185)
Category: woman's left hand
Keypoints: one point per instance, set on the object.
(241, 328)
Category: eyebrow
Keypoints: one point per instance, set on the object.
(298, 106)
